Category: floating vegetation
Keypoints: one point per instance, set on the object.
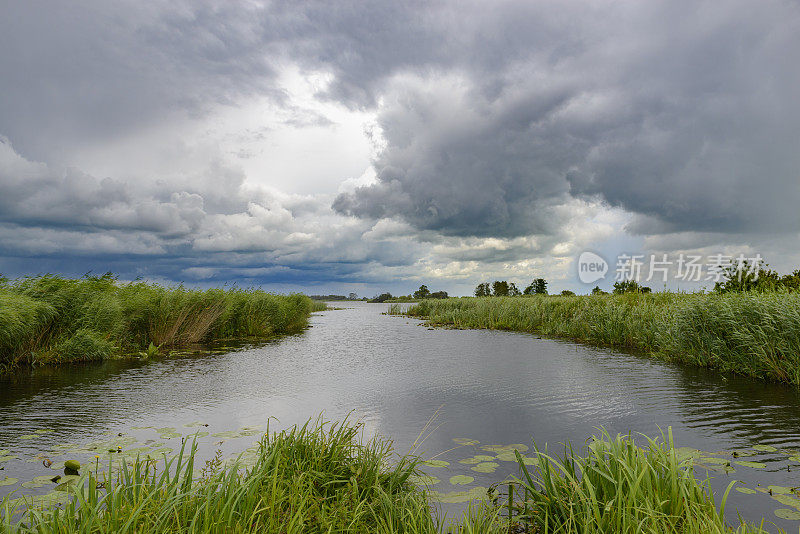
(461, 480)
(453, 497)
(765, 448)
(436, 463)
(486, 467)
(747, 491)
(786, 513)
(424, 480)
(754, 465)
(466, 441)
(8, 481)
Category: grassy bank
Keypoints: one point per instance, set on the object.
(754, 334)
(323, 478)
(49, 319)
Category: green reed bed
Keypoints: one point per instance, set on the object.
(618, 487)
(49, 319)
(318, 478)
(324, 478)
(754, 334)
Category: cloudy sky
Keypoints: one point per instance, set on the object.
(353, 146)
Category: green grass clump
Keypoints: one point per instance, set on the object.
(754, 334)
(619, 487)
(317, 478)
(50, 319)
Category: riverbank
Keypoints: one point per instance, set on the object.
(752, 334)
(50, 320)
(325, 478)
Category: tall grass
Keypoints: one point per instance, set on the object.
(324, 478)
(755, 334)
(49, 319)
(317, 478)
(619, 487)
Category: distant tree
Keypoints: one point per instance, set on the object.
(629, 286)
(438, 295)
(422, 292)
(746, 276)
(352, 296)
(567, 293)
(598, 291)
(483, 290)
(500, 288)
(513, 290)
(791, 281)
(537, 287)
(383, 297)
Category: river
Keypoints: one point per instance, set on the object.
(395, 374)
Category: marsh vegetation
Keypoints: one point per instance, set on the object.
(322, 477)
(755, 334)
(50, 319)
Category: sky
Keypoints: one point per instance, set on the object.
(336, 147)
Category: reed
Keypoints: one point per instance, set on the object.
(325, 478)
(49, 319)
(754, 334)
(315, 478)
(619, 487)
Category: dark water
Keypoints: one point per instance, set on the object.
(494, 387)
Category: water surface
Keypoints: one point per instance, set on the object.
(394, 373)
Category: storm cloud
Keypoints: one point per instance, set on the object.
(506, 135)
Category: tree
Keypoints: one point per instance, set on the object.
(567, 293)
(383, 297)
(629, 286)
(598, 291)
(438, 295)
(747, 276)
(513, 290)
(537, 287)
(422, 292)
(352, 296)
(500, 288)
(483, 290)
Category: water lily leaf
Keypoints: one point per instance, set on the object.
(714, 461)
(7, 458)
(165, 429)
(461, 480)
(765, 448)
(3, 452)
(466, 441)
(785, 513)
(738, 453)
(486, 467)
(424, 480)
(685, 453)
(795, 458)
(43, 431)
(469, 461)
(28, 436)
(436, 463)
(527, 460)
(38, 482)
(780, 490)
(506, 448)
(787, 500)
(200, 434)
(747, 491)
(755, 465)
(170, 435)
(226, 434)
(476, 493)
(7, 481)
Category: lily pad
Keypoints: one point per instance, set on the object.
(7, 458)
(461, 480)
(788, 500)
(7, 481)
(780, 490)
(746, 491)
(436, 463)
(476, 493)
(685, 453)
(424, 480)
(714, 461)
(170, 435)
(466, 441)
(38, 482)
(486, 467)
(506, 448)
(785, 513)
(28, 436)
(765, 448)
(754, 465)
(43, 431)
(469, 461)
(227, 434)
